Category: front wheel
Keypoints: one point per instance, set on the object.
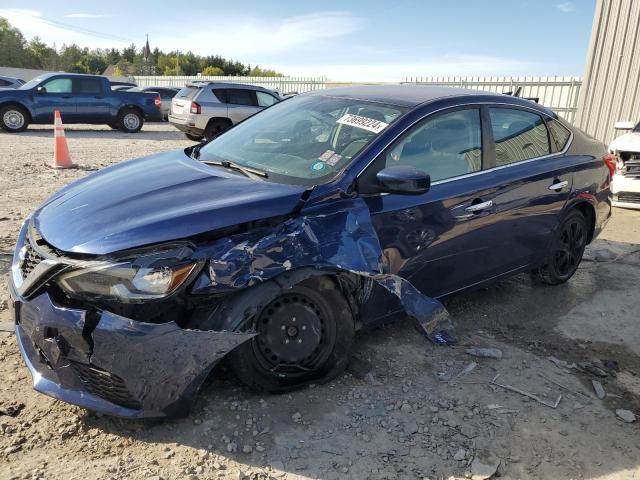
(304, 336)
(130, 120)
(566, 251)
(13, 119)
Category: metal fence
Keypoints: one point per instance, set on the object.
(557, 93)
(281, 84)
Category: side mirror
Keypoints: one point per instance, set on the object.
(403, 180)
(41, 90)
(624, 125)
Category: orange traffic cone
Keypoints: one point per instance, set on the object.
(61, 158)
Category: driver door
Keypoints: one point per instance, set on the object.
(57, 95)
(441, 241)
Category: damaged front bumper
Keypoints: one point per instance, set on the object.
(123, 367)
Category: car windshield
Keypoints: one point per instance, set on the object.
(305, 140)
(31, 83)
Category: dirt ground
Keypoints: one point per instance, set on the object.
(406, 408)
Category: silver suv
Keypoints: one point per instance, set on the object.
(203, 110)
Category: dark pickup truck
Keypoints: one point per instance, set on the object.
(80, 99)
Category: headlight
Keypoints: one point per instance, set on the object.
(146, 277)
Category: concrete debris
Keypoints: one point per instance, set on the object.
(12, 409)
(599, 389)
(460, 455)
(626, 415)
(484, 465)
(485, 352)
(561, 363)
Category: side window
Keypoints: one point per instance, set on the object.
(518, 135)
(221, 94)
(238, 96)
(444, 146)
(559, 134)
(265, 100)
(4, 83)
(58, 85)
(87, 86)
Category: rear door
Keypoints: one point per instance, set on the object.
(241, 104)
(56, 94)
(92, 104)
(533, 180)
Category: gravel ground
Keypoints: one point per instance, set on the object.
(405, 409)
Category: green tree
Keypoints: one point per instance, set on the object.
(212, 71)
(46, 57)
(13, 47)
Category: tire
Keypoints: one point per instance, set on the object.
(113, 126)
(13, 118)
(288, 353)
(130, 120)
(215, 128)
(566, 253)
(193, 138)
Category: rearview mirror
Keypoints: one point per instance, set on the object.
(403, 180)
(41, 90)
(624, 125)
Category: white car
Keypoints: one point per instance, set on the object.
(625, 184)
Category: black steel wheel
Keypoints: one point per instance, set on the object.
(566, 251)
(304, 336)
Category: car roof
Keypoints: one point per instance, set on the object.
(411, 95)
(203, 83)
(400, 95)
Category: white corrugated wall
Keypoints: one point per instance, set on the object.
(611, 83)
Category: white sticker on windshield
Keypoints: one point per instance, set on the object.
(366, 123)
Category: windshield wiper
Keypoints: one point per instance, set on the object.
(248, 172)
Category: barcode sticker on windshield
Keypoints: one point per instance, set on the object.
(366, 123)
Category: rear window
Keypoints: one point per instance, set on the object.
(518, 135)
(188, 92)
(559, 134)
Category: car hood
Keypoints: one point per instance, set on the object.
(156, 199)
(629, 142)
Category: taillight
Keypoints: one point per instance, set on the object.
(610, 160)
(157, 101)
(196, 108)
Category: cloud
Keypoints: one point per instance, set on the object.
(236, 37)
(445, 65)
(565, 7)
(85, 15)
(32, 23)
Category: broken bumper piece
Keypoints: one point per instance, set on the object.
(122, 367)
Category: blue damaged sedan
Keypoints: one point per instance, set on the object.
(269, 246)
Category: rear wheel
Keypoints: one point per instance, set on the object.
(566, 251)
(215, 128)
(130, 120)
(13, 118)
(304, 336)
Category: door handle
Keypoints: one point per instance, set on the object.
(559, 185)
(478, 207)
(99, 98)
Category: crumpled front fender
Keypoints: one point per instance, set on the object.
(338, 237)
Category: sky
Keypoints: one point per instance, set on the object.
(343, 40)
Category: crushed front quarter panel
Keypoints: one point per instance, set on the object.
(338, 236)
